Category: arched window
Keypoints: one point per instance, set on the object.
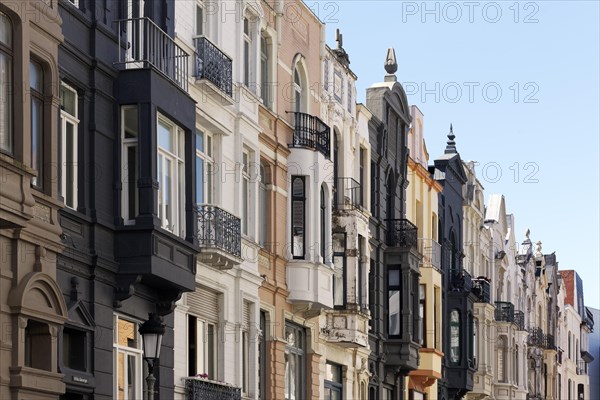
(298, 92)
(455, 337)
(6, 100)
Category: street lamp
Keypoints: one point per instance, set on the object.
(152, 332)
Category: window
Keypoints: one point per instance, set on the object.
(127, 377)
(171, 176)
(202, 339)
(246, 159)
(516, 363)
(199, 28)
(501, 359)
(455, 337)
(74, 349)
(262, 206)
(422, 315)
(67, 151)
(360, 271)
(394, 302)
(6, 88)
(326, 75)
(349, 99)
(204, 168)
(374, 186)
(472, 339)
(246, 321)
(295, 363)
(130, 163)
(36, 85)
(262, 357)
(333, 381)
(339, 269)
(247, 51)
(298, 216)
(416, 319)
(361, 175)
(436, 318)
(372, 293)
(323, 214)
(38, 345)
(298, 92)
(265, 75)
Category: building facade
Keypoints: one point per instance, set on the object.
(594, 367)
(422, 210)
(32, 308)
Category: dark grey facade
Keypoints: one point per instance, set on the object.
(116, 54)
(394, 271)
(458, 364)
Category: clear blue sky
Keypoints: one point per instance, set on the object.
(547, 129)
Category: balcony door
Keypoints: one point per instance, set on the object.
(134, 15)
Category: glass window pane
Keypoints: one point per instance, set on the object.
(199, 20)
(394, 277)
(36, 139)
(132, 371)
(130, 122)
(68, 100)
(165, 136)
(127, 334)
(132, 180)
(36, 77)
(5, 102)
(394, 310)
(199, 141)
(209, 183)
(121, 376)
(5, 30)
(69, 166)
(199, 180)
(338, 280)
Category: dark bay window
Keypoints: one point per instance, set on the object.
(298, 216)
(129, 163)
(6, 86)
(67, 150)
(333, 381)
(36, 85)
(339, 269)
(295, 362)
(455, 342)
(394, 301)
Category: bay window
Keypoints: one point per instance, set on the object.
(127, 363)
(129, 163)
(67, 150)
(394, 301)
(204, 168)
(455, 342)
(6, 87)
(171, 145)
(36, 85)
(298, 216)
(295, 362)
(339, 269)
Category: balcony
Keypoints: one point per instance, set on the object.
(212, 65)
(219, 236)
(461, 280)
(581, 367)
(310, 132)
(505, 312)
(145, 45)
(481, 289)
(347, 328)
(401, 233)
(431, 252)
(205, 389)
(348, 194)
(537, 338)
(519, 320)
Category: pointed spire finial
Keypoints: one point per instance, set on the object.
(451, 144)
(390, 65)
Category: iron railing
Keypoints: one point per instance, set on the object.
(505, 311)
(144, 44)
(548, 342)
(205, 389)
(431, 252)
(519, 320)
(481, 289)
(461, 280)
(535, 337)
(581, 367)
(220, 229)
(401, 233)
(311, 132)
(213, 65)
(347, 194)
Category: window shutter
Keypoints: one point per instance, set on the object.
(204, 303)
(246, 314)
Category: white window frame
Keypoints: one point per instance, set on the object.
(127, 144)
(265, 69)
(203, 341)
(127, 351)
(199, 5)
(66, 118)
(247, 51)
(206, 156)
(177, 178)
(247, 205)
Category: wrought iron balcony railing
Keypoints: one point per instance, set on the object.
(537, 338)
(311, 132)
(461, 280)
(144, 45)
(348, 194)
(481, 289)
(205, 389)
(431, 252)
(220, 229)
(519, 320)
(214, 65)
(505, 311)
(401, 233)
(581, 367)
(548, 342)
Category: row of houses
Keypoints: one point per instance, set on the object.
(204, 166)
